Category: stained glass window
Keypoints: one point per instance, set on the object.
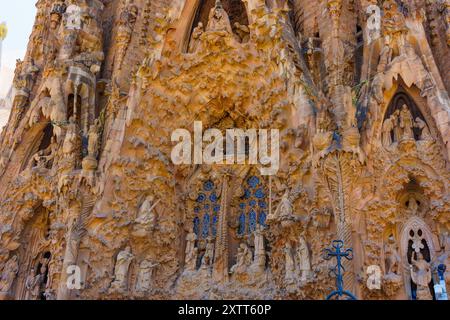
(206, 211)
(253, 206)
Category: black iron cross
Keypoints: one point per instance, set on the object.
(339, 269)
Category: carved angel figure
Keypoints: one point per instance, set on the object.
(421, 276)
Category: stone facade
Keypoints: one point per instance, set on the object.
(88, 190)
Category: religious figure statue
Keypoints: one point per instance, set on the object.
(145, 276)
(219, 20)
(146, 217)
(392, 257)
(126, 23)
(395, 120)
(33, 284)
(406, 123)
(196, 33)
(244, 259)
(71, 140)
(123, 262)
(425, 132)
(93, 140)
(421, 276)
(413, 206)
(289, 263)
(191, 252)
(260, 251)
(388, 126)
(9, 274)
(283, 211)
(303, 259)
(208, 257)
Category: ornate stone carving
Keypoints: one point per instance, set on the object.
(9, 273)
(421, 276)
(124, 259)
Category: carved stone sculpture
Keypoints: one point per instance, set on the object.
(9, 274)
(392, 257)
(425, 132)
(303, 259)
(146, 217)
(145, 276)
(406, 123)
(124, 259)
(289, 263)
(219, 20)
(244, 259)
(421, 276)
(191, 252)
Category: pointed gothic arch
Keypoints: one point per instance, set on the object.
(416, 237)
(235, 9)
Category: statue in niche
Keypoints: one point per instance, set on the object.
(388, 126)
(392, 257)
(33, 284)
(145, 220)
(123, 262)
(191, 252)
(145, 276)
(303, 259)
(406, 123)
(397, 130)
(289, 263)
(242, 32)
(260, 251)
(421, 276)
(208, 257)
(9, 274)
(196, 33)
(42, 158)
(71, 139)
(425, 132)
(219, 20)
(413, 206)
(244, 259)
(93, 139)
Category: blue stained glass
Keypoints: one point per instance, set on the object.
(196, 209)
(260, 193)
(201, 197)
(252, 221)
(252, 203)
(207, 207)
(208, 186)
(262, 218)
(205, 226)
(213, 197)
(242, 206)
(253, 182)
(214, 226)
(241, 229)
(216, 208)
(262, 204)
(196, 225)
(247, 194)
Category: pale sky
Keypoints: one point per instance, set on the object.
(19, 15)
